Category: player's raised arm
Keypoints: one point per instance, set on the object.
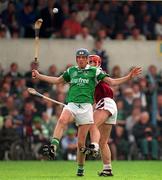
(136, 71)
(49, 79)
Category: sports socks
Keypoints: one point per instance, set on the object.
(96, 146)
(80, 171)
(55, 142)
(107, 166)
(81, 167)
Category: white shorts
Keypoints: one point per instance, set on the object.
(109, 105)
(82, 112)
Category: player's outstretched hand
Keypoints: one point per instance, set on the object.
(136, 71)
(35, 74)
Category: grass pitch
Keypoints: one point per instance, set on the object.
(61, 170)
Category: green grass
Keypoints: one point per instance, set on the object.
(60, 170)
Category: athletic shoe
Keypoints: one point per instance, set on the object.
(90, 151)
(93, 152)
(106, 172)
(80, 172)
(85, 150)
(49, 151)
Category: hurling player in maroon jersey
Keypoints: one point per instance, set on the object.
(105, 113)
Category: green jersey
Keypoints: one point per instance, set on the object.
(82, 83)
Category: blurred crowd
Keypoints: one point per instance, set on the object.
(27, 122)
(82, 19)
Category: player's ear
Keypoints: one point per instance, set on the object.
(76, 59)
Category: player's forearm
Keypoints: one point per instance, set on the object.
(121, 80)
(118, 81)
(49, 79)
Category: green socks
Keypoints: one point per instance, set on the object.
(55, 142)
(80, 171)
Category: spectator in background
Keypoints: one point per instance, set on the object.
(98, 50)
(17, 121)
(48, 122)
(23, 98)
(153, 84)
(19, 86)
(154, 75)
(158, 27)
(159, 115)
(15, 33)
(41, 4)
(128, 100)
(49, 106)
(131, 121)
(84, 35)
(3, 96)
(40, 136)
(9, 17)
(8, 135)
(1, 72)
(41, 105)
(8, 106)
(145, 135)
(147, 27)
(3, 6)
(102, 34)
(52, 70)
(4, 32)
(69, 145)
(121, 117)
(72, 24)
(83, 12)
(51, 22)
(122, 18)
(137, 93)
(105, 16)
(144, 92)
(1, 121)
(136, 35)
(142, 10)
(66, 33)
(65, 10)
(92, 23)
(121, 144)
(27, 17)
(129, 24)
(137, 103)
(116, 72)
(28, 113)
(14, 71)
(58, 110)
(119, 36)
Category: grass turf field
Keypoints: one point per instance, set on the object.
(61, 170)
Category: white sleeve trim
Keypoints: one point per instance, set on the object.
(98, 71)
(68, 71)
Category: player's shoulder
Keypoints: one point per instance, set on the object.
(93, 68)
(71, 69)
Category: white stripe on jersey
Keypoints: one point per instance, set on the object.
(98, 71)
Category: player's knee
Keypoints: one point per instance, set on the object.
(103, 142)
(63, 123)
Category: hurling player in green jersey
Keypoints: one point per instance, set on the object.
(82, 79)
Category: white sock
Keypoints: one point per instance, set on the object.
(96, 146)
(107, 166)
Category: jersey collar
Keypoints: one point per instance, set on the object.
(87, 67)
